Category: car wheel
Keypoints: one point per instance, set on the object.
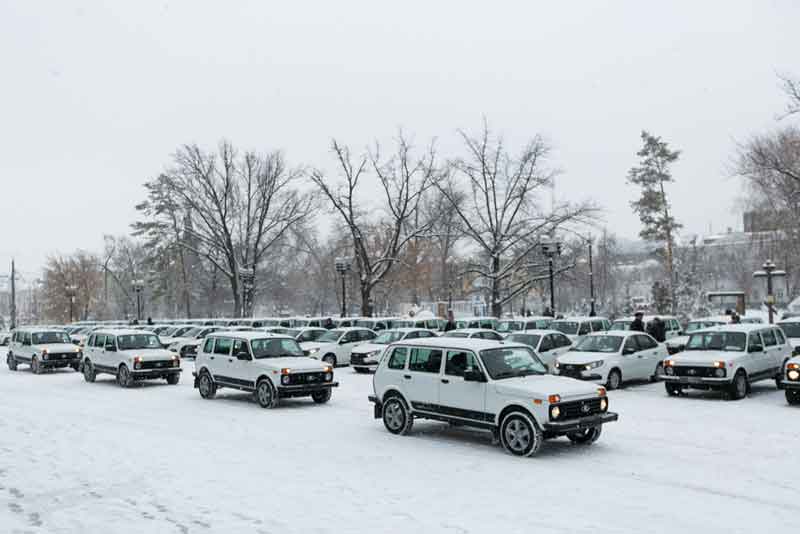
(614, 380)
(658, 373)
(265, 394)
(587, 436)
(793, 396)
(124, 378)
(173, 379)
(520, 435)
(738, 388)
(12, 362)
(322, 396)
(330, 359)
(89, 374)
(396, 417)
(207, 387)
(673, 390)
(36, 368)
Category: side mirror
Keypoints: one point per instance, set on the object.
(628, 351)
(111, 348)
(243, 355)
(474, 375)
(755, 348)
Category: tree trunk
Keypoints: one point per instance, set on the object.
(366, 297)
(496, 305)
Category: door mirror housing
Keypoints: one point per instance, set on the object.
(474, 375)
(244, 355)
(111, 348)
(755, 348)
(627, 351)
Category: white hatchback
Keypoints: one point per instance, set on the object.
(548, 344)
(334, 346)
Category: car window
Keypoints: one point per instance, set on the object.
(630, 344)
(547, 344)
(208, 348)
(779, 336)
(769, 338)
(44, 338)
(90, 341)
(646, 342)
(459, 361)
(239, 346)
(563, 340)
(398, 358)
(223, 346)
(598, 326)
(425, 360)
(584, 329)
(491, 335)
(366, 335)
(100, 340)
(110, 341)
(754, 340)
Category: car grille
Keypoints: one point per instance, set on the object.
(357, 359)
(299, 379)
(580, 408)
(159, 364)
(694, 370)
(62, 356)
(572, 371)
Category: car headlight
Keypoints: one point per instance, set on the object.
(557, 364)
(669, 370)
(593, 365)
(793, 374)
(285, 379)
(603, 404)
(328, 377)
(555, 412)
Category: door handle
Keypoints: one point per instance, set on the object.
(445, 381)
(210, 357)
(230, 360)
(640, 356)
(407, 377)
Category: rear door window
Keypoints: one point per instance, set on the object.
(223, 346)
(769, 338)
(425, 360)
(584, 329)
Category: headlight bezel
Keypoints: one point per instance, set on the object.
(593, 365)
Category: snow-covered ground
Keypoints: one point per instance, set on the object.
(78, 457)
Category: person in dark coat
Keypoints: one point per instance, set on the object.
(451, 322)
(637, 324)
(657, 329)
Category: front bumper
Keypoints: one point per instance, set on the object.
(61, 362)
(304, 390)
(693, 381)
(147, 374)
(593, 377)
(790, 384)
(559, 428)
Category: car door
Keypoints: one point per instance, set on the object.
(630, 364)
(422, 379)
(457, 397)
(785, 349)
(99, 351)
(242, 370)
(650, 354)
(345, 346)
(771, 352)
(219, 361)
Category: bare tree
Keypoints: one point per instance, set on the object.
(502, 214)
(381, 232)
(71, 284)
(241, 205)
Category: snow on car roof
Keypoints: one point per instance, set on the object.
(459, 343)
(538, 331)
(741, 327)
(121, 331)
(248, 334)
(581, 318)
(469, 330)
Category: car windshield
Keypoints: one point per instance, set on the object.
(509, 326)
(599, 344)
(510, 362)
(138, 341)
(455, 334)
(790, 329)
(275, 348)
(331, 336)
(194, 332)
(293, 332)
(531, 340)
(44, 338)
(365, 324)
(168, 331)
(726, 341)
(694, 326)
(179, 332)
(565, 327)
(621, 325)
(388, 336)
(310, 335)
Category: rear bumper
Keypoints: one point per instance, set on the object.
(558, 428)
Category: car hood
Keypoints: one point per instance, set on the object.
(678, 341)
(796, 359)
(148, 354)
(794, 341)
(541, 386)
(368, 347)
(178, 340)
(56, 347)
(295, 363)
(703, 357)
(312, 345)
(581, 358)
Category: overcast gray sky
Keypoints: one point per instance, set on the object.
(96, 95)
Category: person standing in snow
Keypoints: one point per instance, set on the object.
(451, 322)
(637, 324)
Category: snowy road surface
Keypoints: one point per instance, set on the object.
(78, 457)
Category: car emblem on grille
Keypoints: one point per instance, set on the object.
(585, 408)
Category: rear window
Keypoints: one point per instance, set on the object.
(425, 360)
(223, 345)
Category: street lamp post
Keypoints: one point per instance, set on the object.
(551, 250)
(343, 267)
(138, 287)
(71, 290)
(592, 311)
(770, 271)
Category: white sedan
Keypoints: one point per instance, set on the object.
(334, 347)
(548, 344)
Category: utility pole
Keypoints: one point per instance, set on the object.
(551, 250)
(13, 309)
(770, 271)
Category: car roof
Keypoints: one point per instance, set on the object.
(741, 327)
(119, 331)
(407, 329)
(579, 318)
(40, 329)
(538, 332)
(645, 318)
(458, 343)
(471, 330)
(249, 334)
(795, 319)
(617, 333)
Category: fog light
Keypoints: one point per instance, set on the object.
(328, 377)
(137, 365)
(793, 374)
(719, 373)
(603, 405)
(285, 380)
(669, 370)
(555, 412)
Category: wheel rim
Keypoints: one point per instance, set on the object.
(518, 435)
(328, 359)
(205, 385)
(123, 376)
(35, 366)
(264, 394)
(393, 415)
(613, 380)
(741, 386)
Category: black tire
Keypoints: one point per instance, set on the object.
(265, 394)
(12, 362)
(322, 396)
(360, 370)
(738, 388)
(396, 417)
(89, 374)
(330, 359)
(614, 380)
(793, 396)
(658, 373)
(124, 376)
(520, 435)
(173, 379)
(587, 436)
(36, 367)
(206, 385)
(673, 390)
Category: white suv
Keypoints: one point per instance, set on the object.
(129, 355)
(42, 348)
(501, 387)
(728, 358)
(364, 358)
(270, 365)
(791, 381)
